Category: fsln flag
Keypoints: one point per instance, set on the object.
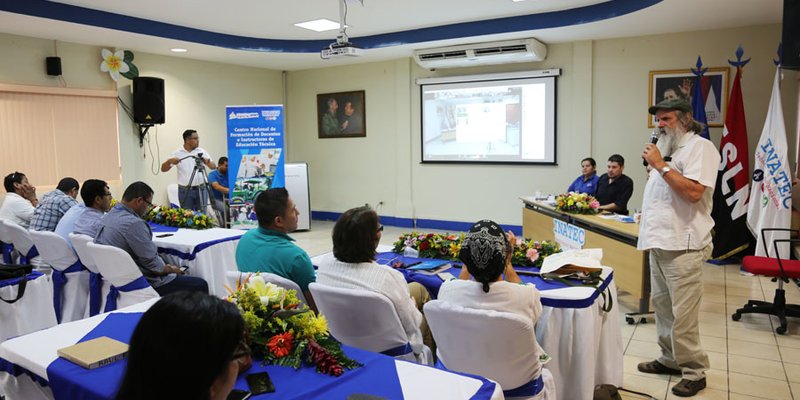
(771, 194)
(732, 191)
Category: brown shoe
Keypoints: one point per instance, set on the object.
(687, 388)
(655, 367)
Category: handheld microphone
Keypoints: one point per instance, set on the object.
(653, 140)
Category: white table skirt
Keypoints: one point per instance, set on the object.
(209, 263)
(34, 311)
(585, 345)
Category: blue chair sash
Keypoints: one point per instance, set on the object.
(95, 293)
(8, 248)
(59, 280)
(113, 292)
(398, 351)
(32, 253)
(529, 389)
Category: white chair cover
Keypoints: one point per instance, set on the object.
(498, 345)
(363, 319)
(119, 268)
(55, 251)
(34, 311)
(79, 243)
(6, 238)
(22, 244)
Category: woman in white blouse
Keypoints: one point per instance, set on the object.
(352, 266)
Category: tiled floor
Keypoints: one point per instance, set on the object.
(748, 359)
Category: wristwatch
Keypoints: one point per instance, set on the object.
(664, 170)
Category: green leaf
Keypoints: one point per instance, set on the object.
(128, 56)
(133, 72)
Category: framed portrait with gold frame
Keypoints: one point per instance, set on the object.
(680, 83)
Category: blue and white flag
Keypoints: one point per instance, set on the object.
(699, 106)
(771, 189)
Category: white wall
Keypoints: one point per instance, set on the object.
(196, 94)
(601, 106)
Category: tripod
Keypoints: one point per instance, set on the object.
(199, 167)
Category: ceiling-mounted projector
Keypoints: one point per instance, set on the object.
(341, 49)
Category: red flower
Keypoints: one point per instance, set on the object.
(280, 345)
(430, 235)
(424, 245)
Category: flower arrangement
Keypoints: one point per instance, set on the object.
(579, 203)
(285, 332)
(527, 252)
(179, 217)
(431, 245)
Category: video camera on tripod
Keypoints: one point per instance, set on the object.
(200, 166)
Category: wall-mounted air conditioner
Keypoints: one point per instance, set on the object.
(468, 55)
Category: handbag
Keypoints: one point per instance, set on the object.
(15, 271)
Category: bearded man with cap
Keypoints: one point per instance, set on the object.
(676, 228)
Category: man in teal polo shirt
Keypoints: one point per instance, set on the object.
(269, 248)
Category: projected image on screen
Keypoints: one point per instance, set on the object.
(495, 121)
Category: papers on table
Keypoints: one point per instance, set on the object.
(618, 217)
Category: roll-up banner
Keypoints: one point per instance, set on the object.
(255, 158)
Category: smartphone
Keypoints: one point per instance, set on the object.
(184, 268)
(163, 235)
(237, 394)
(260, 382)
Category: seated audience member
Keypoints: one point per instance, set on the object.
(218, 179)
(270, 249)
(486, 252)
(84, 219)
(352, 266)
(614, 188)
(186, 346)
(54, 204)
(587, 182)
(124, 227)
(20, 200)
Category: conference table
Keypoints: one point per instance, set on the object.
(208, 253)
(541, 220)
(584, 341)
(30, 369)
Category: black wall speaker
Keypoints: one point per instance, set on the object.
(53, 66)
(148, 100)
(790, 50)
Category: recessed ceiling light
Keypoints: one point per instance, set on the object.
(319, 25)
(517, 1)
(178, 50)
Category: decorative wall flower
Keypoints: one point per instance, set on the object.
(118, 63)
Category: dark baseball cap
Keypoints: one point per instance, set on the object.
(672, 104)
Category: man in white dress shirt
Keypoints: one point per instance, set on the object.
(192, 195)
(20, 201)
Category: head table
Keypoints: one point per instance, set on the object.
(30, 369)
(584, 341)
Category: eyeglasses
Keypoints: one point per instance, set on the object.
(149, 204)
(107, 194)
(380, 228)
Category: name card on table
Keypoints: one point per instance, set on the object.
(568, 236)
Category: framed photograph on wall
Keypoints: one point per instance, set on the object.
(680, 83)
(341, 114)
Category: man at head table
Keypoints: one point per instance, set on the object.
(614, 188)
(587, 182)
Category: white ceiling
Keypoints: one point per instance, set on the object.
(271, 19)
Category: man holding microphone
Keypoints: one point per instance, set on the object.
(676, 227)
(192, 195)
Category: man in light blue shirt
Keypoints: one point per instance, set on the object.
(85, 218)
(218, 179)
